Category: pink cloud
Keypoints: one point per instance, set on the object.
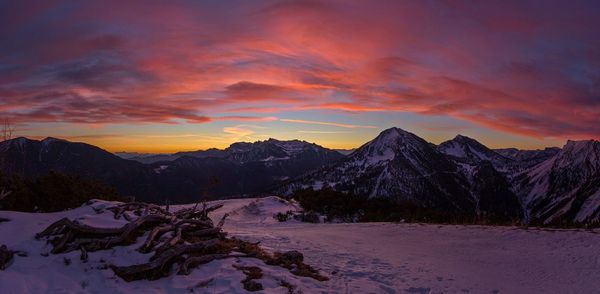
(520, 67)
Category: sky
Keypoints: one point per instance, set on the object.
(165, 76)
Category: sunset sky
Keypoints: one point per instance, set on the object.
(164, 76)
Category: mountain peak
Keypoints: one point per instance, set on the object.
(394, 131)
(391, 141)
(470, 149)
(395, 135)
(463, 138)
(579, 154)
(19, 139)
(578, 146)
(52, 139)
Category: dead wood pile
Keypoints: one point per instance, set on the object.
(179, 241)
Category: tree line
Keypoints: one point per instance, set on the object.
(51, 192)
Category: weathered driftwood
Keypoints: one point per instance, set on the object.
(75, 235)
(195, 261)
(61, 242)
(222, 221)
(130, 228)
(160, 266)
(154, 234)
(181, 227)
(192, 212)
(6, 257)
(187, 237)
(84, 255)
(171, 242)
(205, 232)
(59, 226)
(213, 208)
(137, 208)
(69, 235)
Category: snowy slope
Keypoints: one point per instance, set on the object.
(471, 151)
(37, 273)
(565, 187)
(359, 258)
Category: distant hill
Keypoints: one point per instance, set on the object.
(243, 168)
(33, 158)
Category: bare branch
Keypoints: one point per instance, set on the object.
(7, 131)
(4, 193)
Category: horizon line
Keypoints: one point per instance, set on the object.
(73, 139)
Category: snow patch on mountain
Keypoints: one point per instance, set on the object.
(161, 168)
(468, 150)
(273, 158)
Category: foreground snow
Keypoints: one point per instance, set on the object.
(359, 258)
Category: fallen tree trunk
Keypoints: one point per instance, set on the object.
(65, 223)
(204, 232)
(76, 235)
(154, 234)
(195, 261)
(187, 237)
(160, 266)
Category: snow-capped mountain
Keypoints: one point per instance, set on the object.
(459, 176)
(470, 151)
(566, 187)
(488, 174)
(398, 165)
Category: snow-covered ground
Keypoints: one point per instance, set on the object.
(358, 258)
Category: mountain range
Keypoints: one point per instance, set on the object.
(239, 170)
(461, 176)
(550, 186)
